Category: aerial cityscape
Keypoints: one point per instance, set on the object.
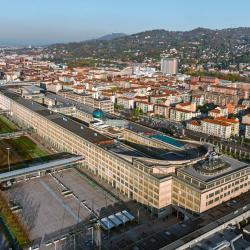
(125, 125)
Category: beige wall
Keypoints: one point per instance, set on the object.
(165, 193)
(185, 196)
(135, 183)
(133, 180)
(204, 197)
(224, 193)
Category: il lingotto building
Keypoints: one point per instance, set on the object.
(153, 169)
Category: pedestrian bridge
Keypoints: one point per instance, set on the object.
(40, 169)
(16, 134)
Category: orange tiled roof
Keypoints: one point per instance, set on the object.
(217, 122)
(230, 120)
(194, 122)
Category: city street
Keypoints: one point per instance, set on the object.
(235, 146)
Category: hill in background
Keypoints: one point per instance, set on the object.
(198, 46)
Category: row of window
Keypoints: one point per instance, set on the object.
(232, 184)
(225, 194)
(63, 139)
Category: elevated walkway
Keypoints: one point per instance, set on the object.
(43, 167)
(15, 134)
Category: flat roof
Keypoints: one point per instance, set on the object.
(223, 239)
(89, 110)
(32, 88)
(234, 166)
(181, 240)
(80, 130)
(124, 151)
(73, 126)
(83, 107)
(246, 229)
(139, 128)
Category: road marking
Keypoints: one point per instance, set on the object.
(69, 210)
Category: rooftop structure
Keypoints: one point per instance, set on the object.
(65, 122)
(98, 113)
(212, 169)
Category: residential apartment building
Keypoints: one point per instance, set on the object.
(246, 123)
(218, 112)
(145, 107)
(162, 110)
(220, 127)
(189, 106)
(247, 131)
(216, 128)
(198, 99)
(178, 115)
(169, 66)
(234, 122)
(246, 119)
(221, 95)
(125, 102)
(194, 125)
(104, 104)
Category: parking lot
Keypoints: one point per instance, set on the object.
(92, 195)
(44, 208)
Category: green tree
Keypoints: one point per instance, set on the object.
(136, 112)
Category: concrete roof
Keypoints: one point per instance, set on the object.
(75, 127)
(234, 166)
(85, 108)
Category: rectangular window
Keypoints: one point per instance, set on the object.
(211, 195)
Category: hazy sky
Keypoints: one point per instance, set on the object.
(45, 21)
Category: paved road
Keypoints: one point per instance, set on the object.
(197, 136)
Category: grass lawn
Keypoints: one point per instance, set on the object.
(16, 228)
(6, 125)
(21, 149)
(26, 148)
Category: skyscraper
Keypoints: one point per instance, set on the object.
(169, 66)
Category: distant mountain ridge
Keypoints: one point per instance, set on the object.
(198, 45)
(111, 36)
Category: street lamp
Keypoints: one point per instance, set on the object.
(138, 215)
(92, 234)
(8, 149)
(108, 229)
(123, 220)
(78, 215)
(106, 202)
(74, 237)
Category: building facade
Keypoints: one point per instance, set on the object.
(156, 184)
(203, 187)
(169, 66)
